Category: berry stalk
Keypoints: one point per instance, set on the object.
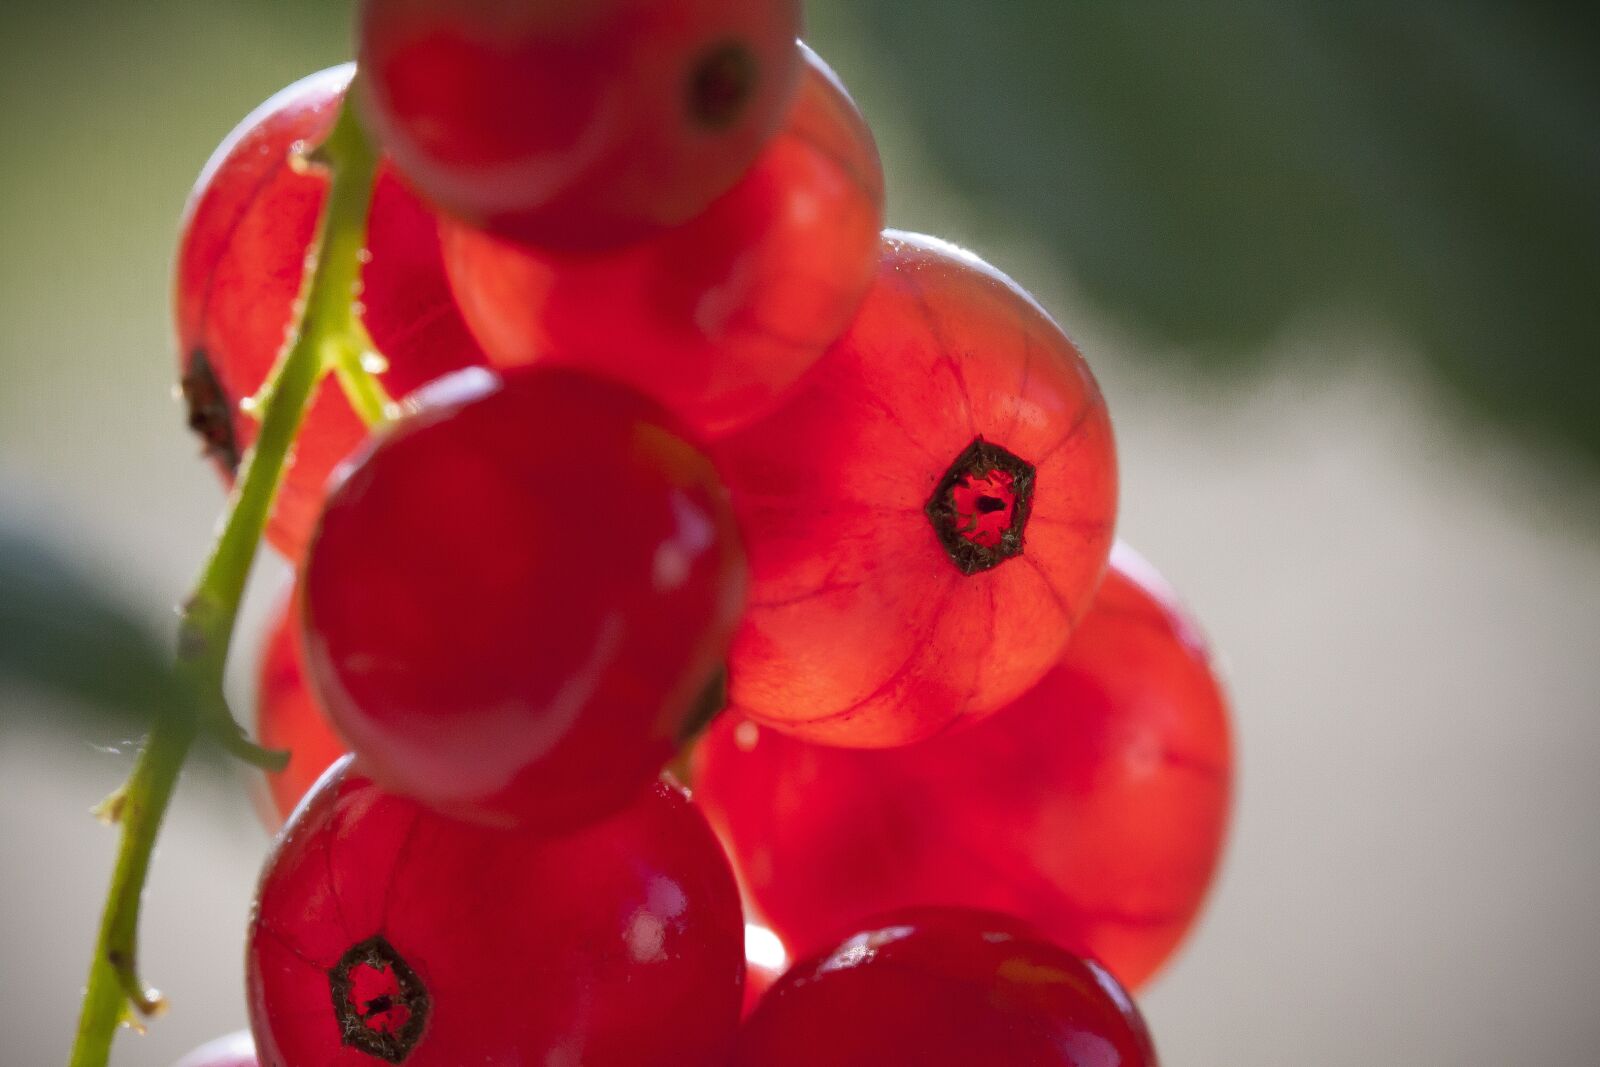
(329, 337)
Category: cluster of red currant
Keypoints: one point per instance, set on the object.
(684, 433)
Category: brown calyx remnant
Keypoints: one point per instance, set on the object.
(980, 507)
(210, 412)
(380, 1003)
(721, 83)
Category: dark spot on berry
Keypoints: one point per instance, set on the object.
(721, 83)
(379, 1001)
(989, 504)
(210, 411)
(980, 507)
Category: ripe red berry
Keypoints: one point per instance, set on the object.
(927, 517)
(289, 718)
(716, 318)
(1094, 806)
(765, 960)
(515, 598)
(246, 231)
(945, 987)
(386, 933)
(234, 1050)
(580, 125)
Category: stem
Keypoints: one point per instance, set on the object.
(113, 982)
(328, 331)
(361, 386)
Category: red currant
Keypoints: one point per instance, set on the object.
(235, 1050)
(716, 318)
(576, 124)
(927, 517)
(1095, 805)
(515, 598)
(288, 717)
(765, 960)
(945, 986)
(386, 933)
(249, 223)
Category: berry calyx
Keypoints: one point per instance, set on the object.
(1095, 805)
(577, 126)
(247, 231)
(210, 413)
(384, 932)
(980, 507)
(380, 1003)
(518, 594)
(945, 987)
(927, 515)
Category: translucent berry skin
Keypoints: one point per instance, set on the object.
(716, 318)
(234, 1050)
(1095, 806)
(289, 718)
(765, 960)
(246, 231)
(945, 986)
(576, 125)
(616, 946)
(515, 597)
(864, 628)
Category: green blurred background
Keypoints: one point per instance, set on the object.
(1338, 268)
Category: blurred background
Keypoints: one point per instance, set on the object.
(1338, 269)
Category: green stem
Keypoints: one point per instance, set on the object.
(361, 387)
(328, 330)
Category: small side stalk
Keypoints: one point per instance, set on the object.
(328, 338)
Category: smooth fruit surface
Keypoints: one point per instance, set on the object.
(945, 987)
(234, 1050)
(384, 932)
(716, 318)
(765, 960)
(249, 224)
(927, 516)
(576, 124)
(517, 595)
(1095, 806)
(289, 718)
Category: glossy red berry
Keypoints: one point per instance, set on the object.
(576, 124)
(386, 933)
(945, 987)
(927, 517)
(765, 960)
(716, 318)
(234, 1050)
(288, 718)
(247, 229)
(515, 598)
(1094, 806)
